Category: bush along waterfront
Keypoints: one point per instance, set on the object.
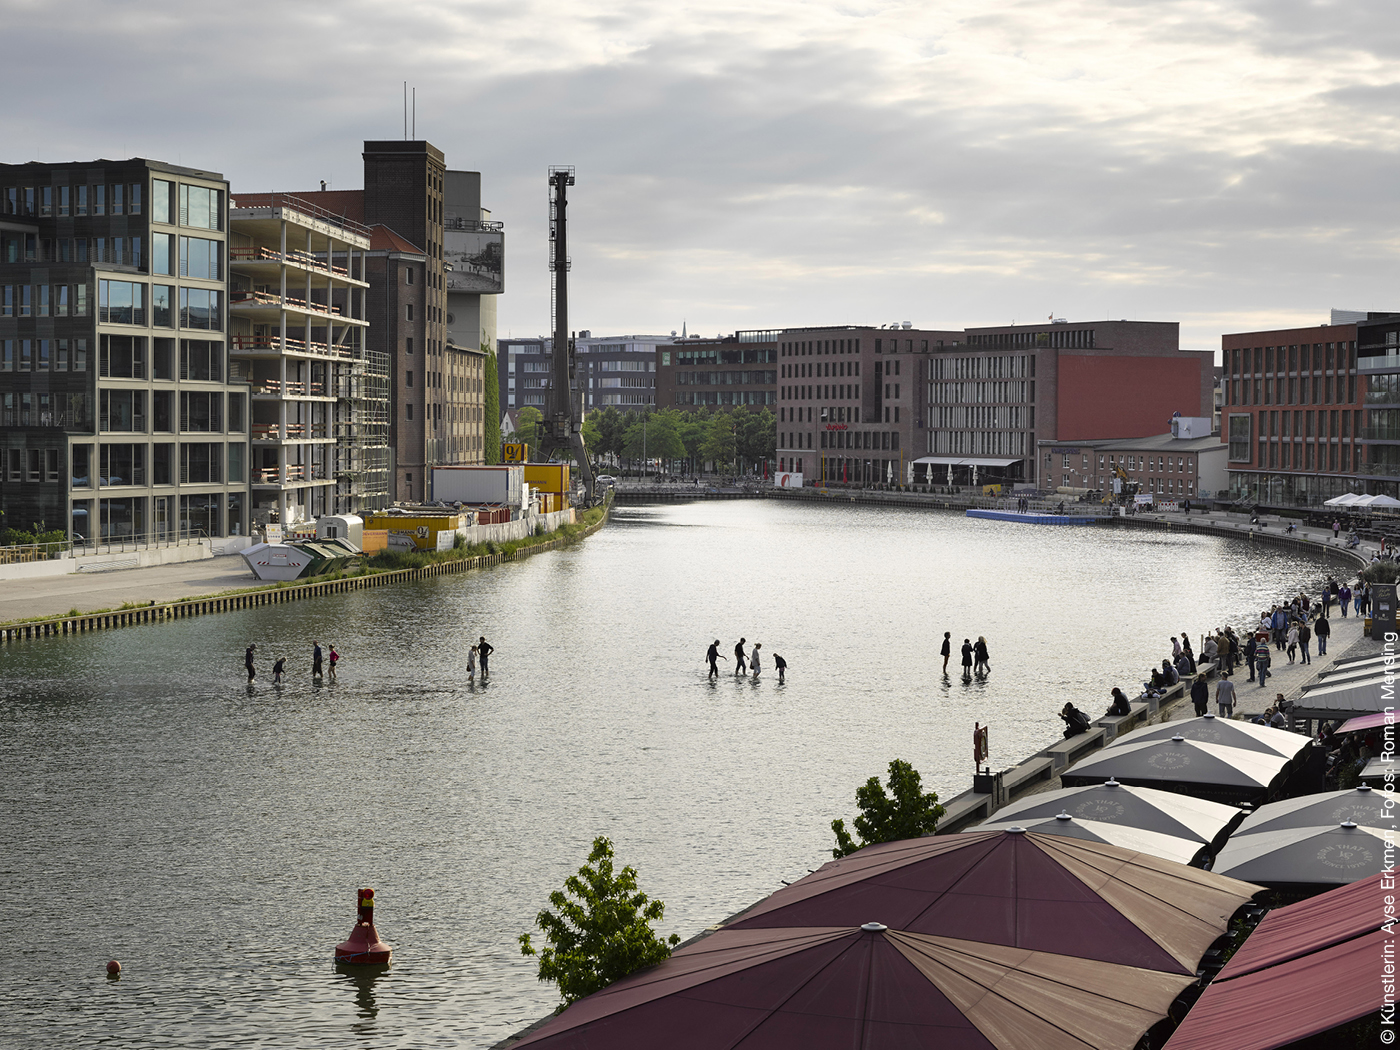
(910, 813)
(602, 931)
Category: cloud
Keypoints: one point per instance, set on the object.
(774, 162)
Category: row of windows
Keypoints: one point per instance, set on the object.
(725, 397)
(1081, 338)
(1129, 461)
(31, 248)
(1325, 455)
(980, 442)
(820, 347)
(124, 357)
(760, 356)
(43, 409)
(43, 355)
(624, 366)
(824, 392)
(870, 440)
(725, 378)
(1288, 425)
(124, 302)
(198, 412)
(190, 463)
(62, 201)
(1307, 390)
(978, 417)
(1014, 366)
(825, 369)
(616, 382)
(1300, 357)
(43, 300)
(1014, 391)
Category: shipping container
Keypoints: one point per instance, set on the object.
(479, 484)
(548, 477)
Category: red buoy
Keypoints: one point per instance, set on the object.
(364, 946)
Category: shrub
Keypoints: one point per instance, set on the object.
(910, 813)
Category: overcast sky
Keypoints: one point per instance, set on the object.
(1228, 164)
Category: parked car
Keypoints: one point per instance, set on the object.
(606, 479)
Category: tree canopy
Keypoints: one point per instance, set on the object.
(910, 813)
(602, 931)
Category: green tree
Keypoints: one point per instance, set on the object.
(529, 427)
(653, 437)
(757, 436)
(719, 443)
(910, 813)
(693, 428)
(602, 931)
(491, 430)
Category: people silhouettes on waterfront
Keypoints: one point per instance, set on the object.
(471, 662)
(947, 649)
(1200, 694)
(967, 657)
(248, 661)
(780, 664)
(1323, 630)
(1076, 721)
(712, 657)
(277, 669)
(739, 664)
(1120, 705)
(754, 665)
(316, 659)
(335, 659)
(484, 649)
(981, 664)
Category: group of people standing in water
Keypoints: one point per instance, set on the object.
(744, 664)
(975, 659)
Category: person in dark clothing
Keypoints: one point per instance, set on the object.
(1323, 630)
(979, 651)
(484, 649)
(315, 659)
(248, 661)
(1120, 704)
(947, 649)
(780, 664)
(967, 657)
(712, 655)
(1200, 694)
(277, 670)
(739, 665)
(1076, 721)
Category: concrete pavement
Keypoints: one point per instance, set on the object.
(52, 596)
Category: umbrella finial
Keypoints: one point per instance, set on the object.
(1178, 739)
(1348, 824)
(1363, 787)
(874, 927)
(1208, 715)
(1063, 816)
(1111, 783)
(1016, 830)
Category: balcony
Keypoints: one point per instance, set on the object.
(248, 301)
(243, 344)
(306, 260)
(1380, 434)
(1379, 364)
(277, 388)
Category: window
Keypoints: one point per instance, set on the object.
(200, 257)
(235, 461)
(200, 413)
(201, 207)
(236, 414)
(121, 357)
(7, 355)
(201, 308)
(46, 200)
(408, 275)
(122, 411)
(410, 411)
(408, 380)
(163, 253)
(117, 197)
(80, 355)
(65, 194)
(409, 345)
(41, 300)
(60, 300)
(80, 300)
(201, 463)
(80, 206)
(162, 351)
(162, 200)
(26, 355)
(409, 309)
(161, 456)
(122, 465)
(133, 204)
(202, 359)
(121, 302)
(82, 467)
(41, 356)
(162, 305)
(1240, 437)
(162, 419)
(99, 200)
(60, 363)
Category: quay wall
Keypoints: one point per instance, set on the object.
(274, 594)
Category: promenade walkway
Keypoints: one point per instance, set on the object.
(50, 596)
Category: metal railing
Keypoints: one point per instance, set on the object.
(131, 542)
(289, 200)
(31, 552)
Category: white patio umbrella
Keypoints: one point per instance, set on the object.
(1383, 501)
(1345, 500)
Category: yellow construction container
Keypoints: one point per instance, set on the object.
(548, 477)
(419, 530)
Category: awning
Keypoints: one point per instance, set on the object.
(1376, 721)
(973, 461)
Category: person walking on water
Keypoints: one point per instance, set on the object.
(982, 665)
(780, 664)
(315, 659)
(947, 649)
(739, 667)
(712, 655)
(753, 660)
(248, 661)
(335, 659)
(484, 649)
(277, 670)
(471, 662)
(967, 657)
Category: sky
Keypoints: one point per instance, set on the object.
(1226, 164)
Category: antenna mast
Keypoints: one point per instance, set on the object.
(564, 404)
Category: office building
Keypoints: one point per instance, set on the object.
(119, 420)
(618, 371)
(740, 370)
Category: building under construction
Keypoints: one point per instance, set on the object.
(319, 426)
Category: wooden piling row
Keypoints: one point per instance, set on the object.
(160, 613)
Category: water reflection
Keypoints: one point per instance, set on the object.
(362, 979)
(146, 785)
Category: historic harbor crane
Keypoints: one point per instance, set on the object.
(563, 415)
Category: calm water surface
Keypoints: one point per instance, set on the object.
(211, 836)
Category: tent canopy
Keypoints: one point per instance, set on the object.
(1196, 767)
(963, 461)
(1376, 721)
(1245, 735)
(1309, 856)
(1153, 843)
(1361, 805)
(1344, 500)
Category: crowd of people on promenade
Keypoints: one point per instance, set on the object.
(746, 664)
(1287, 629)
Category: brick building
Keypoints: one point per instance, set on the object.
(737, 370)
(1293, 412)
